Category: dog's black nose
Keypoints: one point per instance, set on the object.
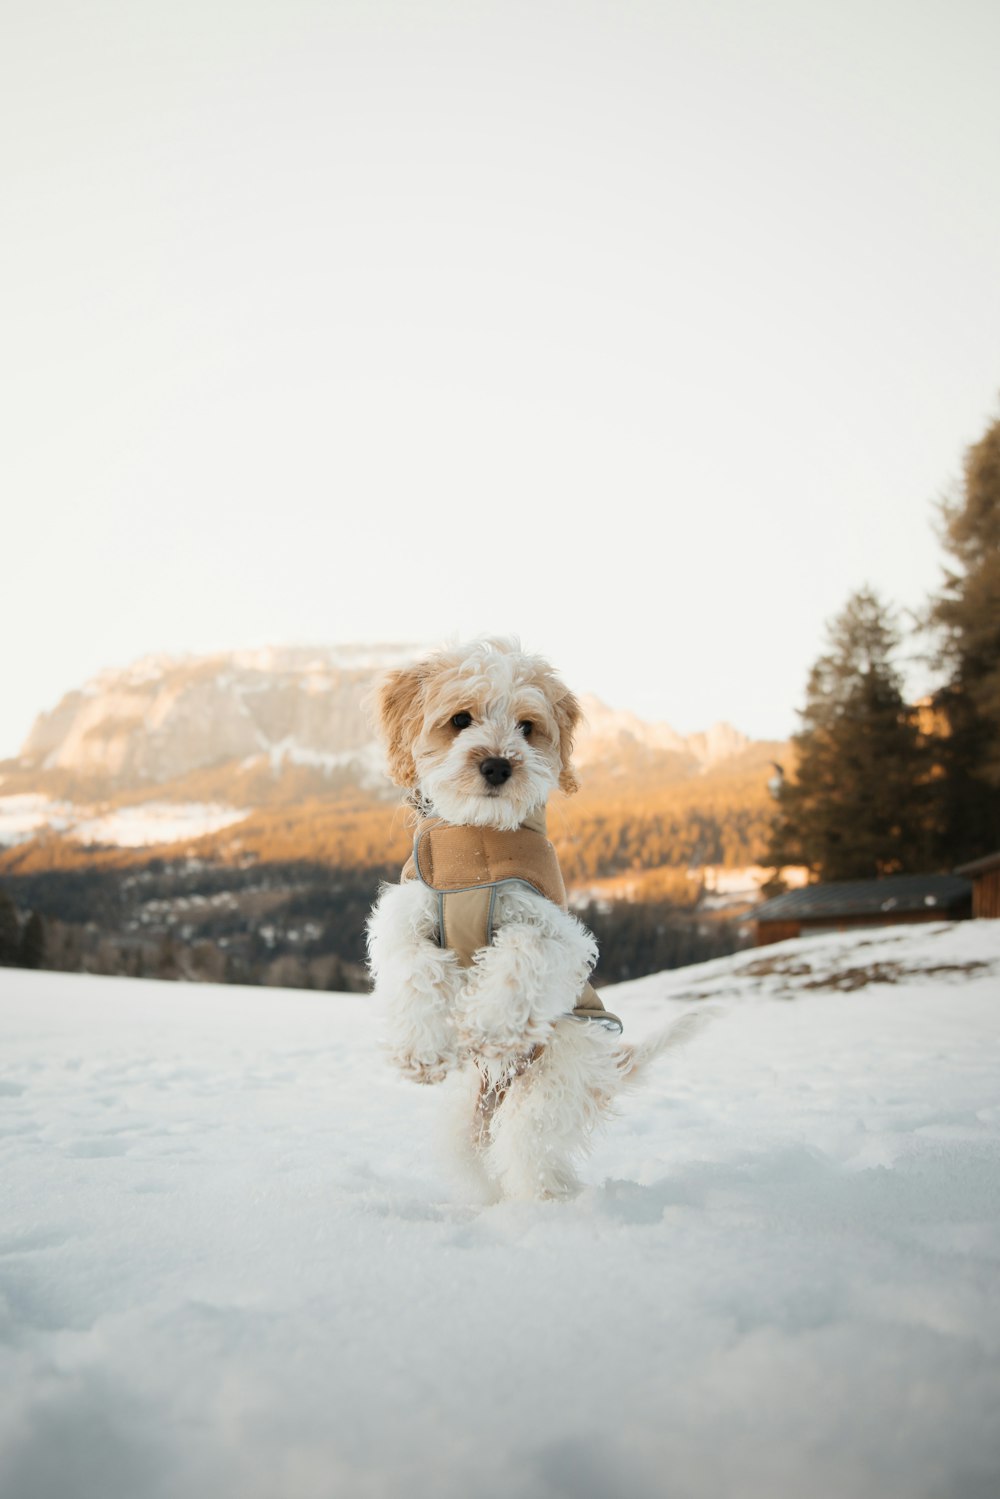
(495, 771)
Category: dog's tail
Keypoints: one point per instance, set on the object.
(636, 1059)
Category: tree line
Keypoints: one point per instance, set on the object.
(883, 786)
(22, 943)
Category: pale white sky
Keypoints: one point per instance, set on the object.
(644, 330)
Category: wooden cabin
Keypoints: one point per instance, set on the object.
(841, 904)
(985, 876)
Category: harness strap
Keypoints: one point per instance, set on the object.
(465, 921)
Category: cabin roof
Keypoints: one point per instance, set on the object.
(896, 892)
(980, 866)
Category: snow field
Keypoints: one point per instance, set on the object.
(233, 1263)
(24, 815)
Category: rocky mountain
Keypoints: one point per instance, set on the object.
(162, 718)
(611, 735)
(173, 747)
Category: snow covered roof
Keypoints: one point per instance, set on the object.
(895, 893)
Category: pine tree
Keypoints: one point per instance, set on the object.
(966, 613)
(31, 953)
(10, 930)
(857, 807)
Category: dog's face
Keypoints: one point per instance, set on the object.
(483, 732)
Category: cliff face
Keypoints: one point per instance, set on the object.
(610, 735)
(237, 721)
(162, 718)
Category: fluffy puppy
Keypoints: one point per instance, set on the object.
(480, 736)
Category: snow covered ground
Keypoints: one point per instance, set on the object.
(145, 824)
(231, 1264)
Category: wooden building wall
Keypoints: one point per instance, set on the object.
(986, 894)
(766, 932)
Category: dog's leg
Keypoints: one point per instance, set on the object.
(519, 986)
(545, 1122)
(418, 980)
(462, 1134)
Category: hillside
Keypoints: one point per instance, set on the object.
(232, 1261)
(268, 756)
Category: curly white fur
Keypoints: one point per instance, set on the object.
(533, 972)
(420, 980)
(549, 1114)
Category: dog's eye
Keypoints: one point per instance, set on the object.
(526, 727)
(461, 720)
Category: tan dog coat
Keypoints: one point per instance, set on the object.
(466, 866)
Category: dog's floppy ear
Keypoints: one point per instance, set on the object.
(398, 718)
(568, 714)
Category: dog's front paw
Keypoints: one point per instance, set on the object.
(420, 1068)
(501, 1045)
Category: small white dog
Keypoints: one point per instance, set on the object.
(480, 736)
